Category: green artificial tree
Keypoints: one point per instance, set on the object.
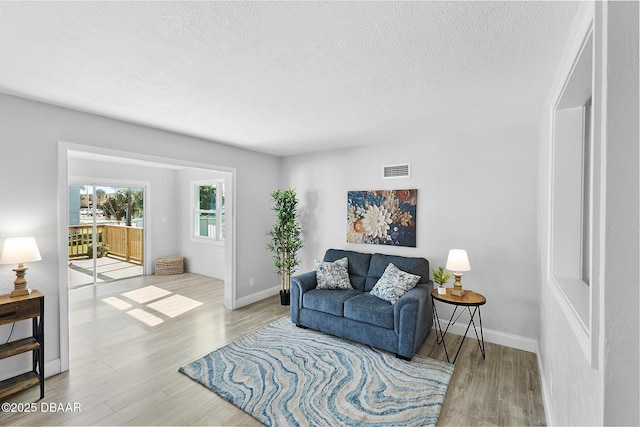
(286, 238)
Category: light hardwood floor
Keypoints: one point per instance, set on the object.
(125, 372)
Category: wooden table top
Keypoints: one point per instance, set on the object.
(469, 297)
(8, 298)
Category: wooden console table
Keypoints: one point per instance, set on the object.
(14, 309)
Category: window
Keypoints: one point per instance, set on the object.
(575, 193)
(209, 210)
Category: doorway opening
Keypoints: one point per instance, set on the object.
(106, 233)
(167, 218)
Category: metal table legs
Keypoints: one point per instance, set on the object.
(440, 335)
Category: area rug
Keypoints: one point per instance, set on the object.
(287, 376)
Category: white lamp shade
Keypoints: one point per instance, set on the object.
(18, 250)
(458, 260)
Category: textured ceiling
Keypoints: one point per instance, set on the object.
(289, 77)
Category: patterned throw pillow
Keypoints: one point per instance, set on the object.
(394, 283)
(333, 275)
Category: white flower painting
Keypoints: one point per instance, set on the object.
(382, 217)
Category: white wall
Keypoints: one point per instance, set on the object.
(476, 191)
(621, 296)
(29, 135)
(161, 209)
(581, 388)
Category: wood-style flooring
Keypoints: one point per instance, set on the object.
(125, 372)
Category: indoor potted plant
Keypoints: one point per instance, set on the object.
(440, 277)
(286, 238)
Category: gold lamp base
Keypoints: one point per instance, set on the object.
(20, 284)
(457, 286)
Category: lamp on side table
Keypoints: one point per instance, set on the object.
(18, 250)
(458, 261)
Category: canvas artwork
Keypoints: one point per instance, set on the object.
(382, 217)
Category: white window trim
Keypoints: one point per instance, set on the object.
(193, 209)
(585, 328)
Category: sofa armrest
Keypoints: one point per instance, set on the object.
(299, 285)
(413, 319)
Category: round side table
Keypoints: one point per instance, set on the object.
(469, 300)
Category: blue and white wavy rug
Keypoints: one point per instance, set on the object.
(286, 376)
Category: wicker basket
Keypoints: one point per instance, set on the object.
(168, 266)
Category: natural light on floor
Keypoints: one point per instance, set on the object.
(145, 317)
(117, 303)
(146, 294)
(171, 307)
(175, 305)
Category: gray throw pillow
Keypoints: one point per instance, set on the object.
(394, 283)
(333, 275)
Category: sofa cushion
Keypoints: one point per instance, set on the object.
(369, 309)
(379, 263)
(328, 301)
(394, 283)
(333, 275)
(358, 265)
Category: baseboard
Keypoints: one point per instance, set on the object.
(546, 390)
(495, 337)
(52, 367)
(258, 296)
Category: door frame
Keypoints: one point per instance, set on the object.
(64, 148)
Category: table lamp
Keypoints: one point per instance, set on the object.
(457, 261)
(18, 250)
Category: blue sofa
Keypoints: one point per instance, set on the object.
(357, 315)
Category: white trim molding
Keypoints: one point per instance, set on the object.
(579, 300)
(495, 337)
(259, 296)
(546, 389)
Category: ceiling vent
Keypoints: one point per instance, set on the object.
(396, 171)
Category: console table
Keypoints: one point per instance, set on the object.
(14, 309)
(468, 300)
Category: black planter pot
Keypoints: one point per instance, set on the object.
(285, 298)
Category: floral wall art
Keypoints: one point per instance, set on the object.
(382, 217)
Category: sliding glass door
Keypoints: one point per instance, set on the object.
(106, 233)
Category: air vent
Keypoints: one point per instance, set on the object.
(396, 171)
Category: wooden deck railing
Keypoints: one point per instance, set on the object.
(80, 237)
(126, 243)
